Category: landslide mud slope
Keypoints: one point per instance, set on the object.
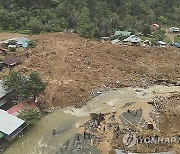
(73, 66)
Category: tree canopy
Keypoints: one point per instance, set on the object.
(90, 18)
(24, 87)
(29, 115)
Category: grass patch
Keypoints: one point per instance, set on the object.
(153, 40)
(177, 39)
(147, 38)
(167, 39)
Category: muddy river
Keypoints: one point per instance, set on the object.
(39, 139)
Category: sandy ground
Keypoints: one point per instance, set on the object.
(73, 66)
(5, 35)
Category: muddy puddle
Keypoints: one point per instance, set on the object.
(40, 140)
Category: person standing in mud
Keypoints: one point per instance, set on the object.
(84, 134)
(54, 131)
(104, 129)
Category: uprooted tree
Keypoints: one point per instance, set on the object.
(24, 87)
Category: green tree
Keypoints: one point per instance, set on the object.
(12, 42)
(35, 26)
(85, 26)
(35, 85)
(53, 15)
(146, 29)
(159, 35)
(29, 115)
(32, 44)
(24, 87)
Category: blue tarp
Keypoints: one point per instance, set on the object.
(22, 41)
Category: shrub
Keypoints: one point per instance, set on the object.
(12, 42)
(29, 115)
(12, 49)
(146, 29)
(35, 26)
(32, 44)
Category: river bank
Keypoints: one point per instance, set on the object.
(70, 120)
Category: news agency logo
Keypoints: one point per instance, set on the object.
(131, 139)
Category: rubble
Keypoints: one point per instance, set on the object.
(78, 145)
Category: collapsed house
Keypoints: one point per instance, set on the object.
(133, 40)
(11, 61)
(3, 51)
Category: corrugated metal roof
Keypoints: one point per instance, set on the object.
(1, 135)
(123, 33)
(3, 91)
(9, 123)
(12, 60)
(115, 41)
(133, 39)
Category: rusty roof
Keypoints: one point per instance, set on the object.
(12, 60)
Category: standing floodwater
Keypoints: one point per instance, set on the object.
(41, 139)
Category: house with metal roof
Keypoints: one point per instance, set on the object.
(174, 29)
(155, 26)
(122, 33)
(10, 126)
(133, 39)
(115, 41)
(5, 95)
(161, 43)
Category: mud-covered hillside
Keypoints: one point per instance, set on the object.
(75, 68)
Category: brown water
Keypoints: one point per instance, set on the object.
(39, 139)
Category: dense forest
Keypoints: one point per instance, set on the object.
(90, 18)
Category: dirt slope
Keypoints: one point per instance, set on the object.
(73, 66)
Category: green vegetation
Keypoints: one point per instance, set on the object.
(177, 39)
(29, 115)
(32, 44)
(12, 42)
(146, 29)
(167, 39)
(12, 49)
(24, 87)
(90, 18)
(158, 35)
